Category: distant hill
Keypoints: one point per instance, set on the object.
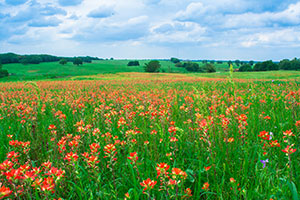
(7, 58)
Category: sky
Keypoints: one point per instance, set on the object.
(152, 29)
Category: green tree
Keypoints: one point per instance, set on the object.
(245, 68)
(251, 62)
(3, 72)
(77, 61)
(192, 67)
(237, 62)
(209, 68)
(179, 64)
(63, 61)
(152, 66)
(175, 60)
(133, 63)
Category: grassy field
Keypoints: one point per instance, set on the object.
(150, 136)
(55, 70)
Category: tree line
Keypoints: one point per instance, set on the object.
(7, 58)
(269, 65)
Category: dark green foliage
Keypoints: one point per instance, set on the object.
(133, 63)
(212, 62)
(290, 65)
(3, 72)
(229, 63)
(237, 62)
(36, 59)
(77, 61)
(152, 66)
(32, 59)
(266, 66)
(175, 60)
(209, 68)
(251, 62)
(179, 64)
(9, 58)
(219, 62)
(245, 68)
(63, 61)
(191, 67)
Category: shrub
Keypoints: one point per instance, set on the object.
(245, 68)
(209, 68)
(152, 66)
(133, 63)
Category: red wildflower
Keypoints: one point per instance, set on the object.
(205, 186)
(148, 184)
(4, 191)
(289, 150)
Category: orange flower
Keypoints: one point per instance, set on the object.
(71, 156)
(133, 157)
(188, 192)
(205, 186)
(289, 150)
(4, 191)
(207, 168)
(178, 173)
(288, 133)
(232, 180)
(148, 184)
(162, 168)
(110, 148)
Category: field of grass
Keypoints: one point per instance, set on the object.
(150, 136)
(55, 70)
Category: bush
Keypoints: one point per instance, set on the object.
(209, 68)
(63, 61)
(175, 60)
(77, 61)
(179, 64)
(152, 66)
(133, 63)
(245, 68)
(191, 67)
(265, 66)
(3, 72)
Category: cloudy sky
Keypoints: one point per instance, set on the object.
(191, 29)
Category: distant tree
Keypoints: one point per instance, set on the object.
(133, 63)
(209, 68)
(295, 64)
(175, 60)
(3, 72)
(265, 66)
(63, 61)
(245, 68)
(192, 67)
(212, 62)
(229, 63)
(251, 62)
(24, 61)
(179, 64)
(77, 61)
(237, 62)
(152, 66)
(111, 58)
(219, 62)
(285, 64)
(204, 61)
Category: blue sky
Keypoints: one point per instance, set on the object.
(190, 29)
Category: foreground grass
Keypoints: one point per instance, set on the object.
(147, 136)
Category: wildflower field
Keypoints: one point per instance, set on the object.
(146, 137)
